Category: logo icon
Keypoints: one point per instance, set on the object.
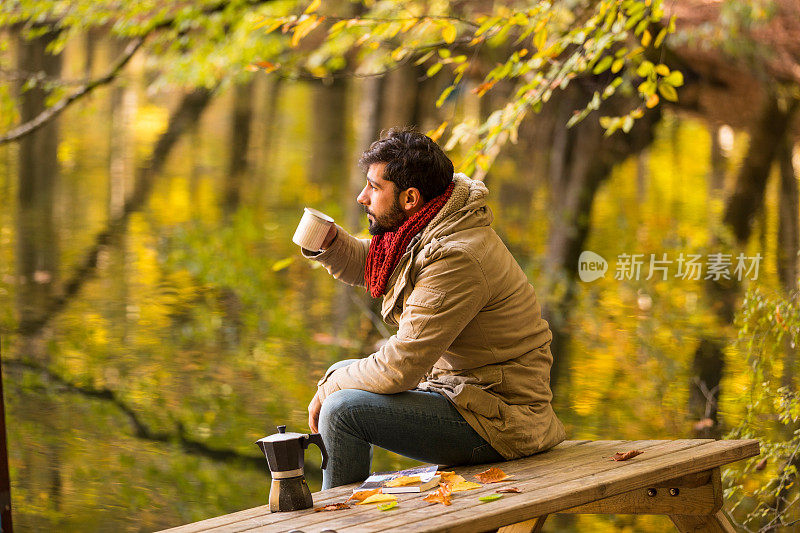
(591, 266)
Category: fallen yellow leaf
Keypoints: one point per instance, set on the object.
(448, 478)
(378, 498)
(403, 480)
(363, 494)
(464, 485)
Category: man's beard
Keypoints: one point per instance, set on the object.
(387, 222)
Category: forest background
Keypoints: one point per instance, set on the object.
(155, 318)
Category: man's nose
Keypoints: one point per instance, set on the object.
(362, 196)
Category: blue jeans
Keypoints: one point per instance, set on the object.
(421, 425)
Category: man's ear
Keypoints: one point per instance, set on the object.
(411, 199)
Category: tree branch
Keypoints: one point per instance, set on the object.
(51, 112)
(140, 428)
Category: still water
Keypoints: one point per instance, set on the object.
(157, 319)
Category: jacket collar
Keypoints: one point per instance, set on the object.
(466, 208)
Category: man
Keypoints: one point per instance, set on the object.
(466, 379)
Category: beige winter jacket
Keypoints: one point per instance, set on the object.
(469, 327)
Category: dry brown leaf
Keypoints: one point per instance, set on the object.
(624, 456)
(333, 507)
(492, 475)
(440, 496)
(363, 494)
(402, 481)
(509, 489)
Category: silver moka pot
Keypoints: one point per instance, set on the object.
(285, 455)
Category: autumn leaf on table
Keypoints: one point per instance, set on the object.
(402, 481)
(386, 506)
(363, 494)
(440, 496)
(333, 507)
(509, 489)
(459, 486)
(449, 478)
(490, 497)
(378, 498)
(624, 456)
(492, 475)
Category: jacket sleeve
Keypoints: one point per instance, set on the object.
(344, 258)
(447, 295)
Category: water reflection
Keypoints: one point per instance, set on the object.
(161, 321)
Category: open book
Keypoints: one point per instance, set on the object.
(417, 479)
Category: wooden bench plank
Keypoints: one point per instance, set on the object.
(534, 525)
(568, 452)
(703, 500)
(623, 476)
(716, 523)
(548, 470)
(535, 481)
(569, 477)
(263, 516)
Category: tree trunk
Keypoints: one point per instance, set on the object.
(328, 163)
(37, 231)
(581, 160)
(788, 246)
(242, 117)
(743, 207)
(5, 478)
(400, 97)
(122, 110)
(37, 245)
(748, 196)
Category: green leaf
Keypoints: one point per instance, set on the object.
(603, 65)
(386, 506)
(282, 263)
(490, 497)
(660, 37)
(647, 87)
(444, 95)
(433, 70)
(668, 92)
(617, 65)
(449, 32)
(675, 78)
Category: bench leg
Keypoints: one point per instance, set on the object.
(534, 525)
(713, 523)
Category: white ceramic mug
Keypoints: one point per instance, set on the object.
(312, 230)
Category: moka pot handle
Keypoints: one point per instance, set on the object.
(316, 438)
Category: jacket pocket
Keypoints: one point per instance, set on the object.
(420, 306)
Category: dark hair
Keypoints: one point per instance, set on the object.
(412, 160)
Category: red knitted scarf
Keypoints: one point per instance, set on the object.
(386, 249)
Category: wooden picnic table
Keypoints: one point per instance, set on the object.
(677, 478)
